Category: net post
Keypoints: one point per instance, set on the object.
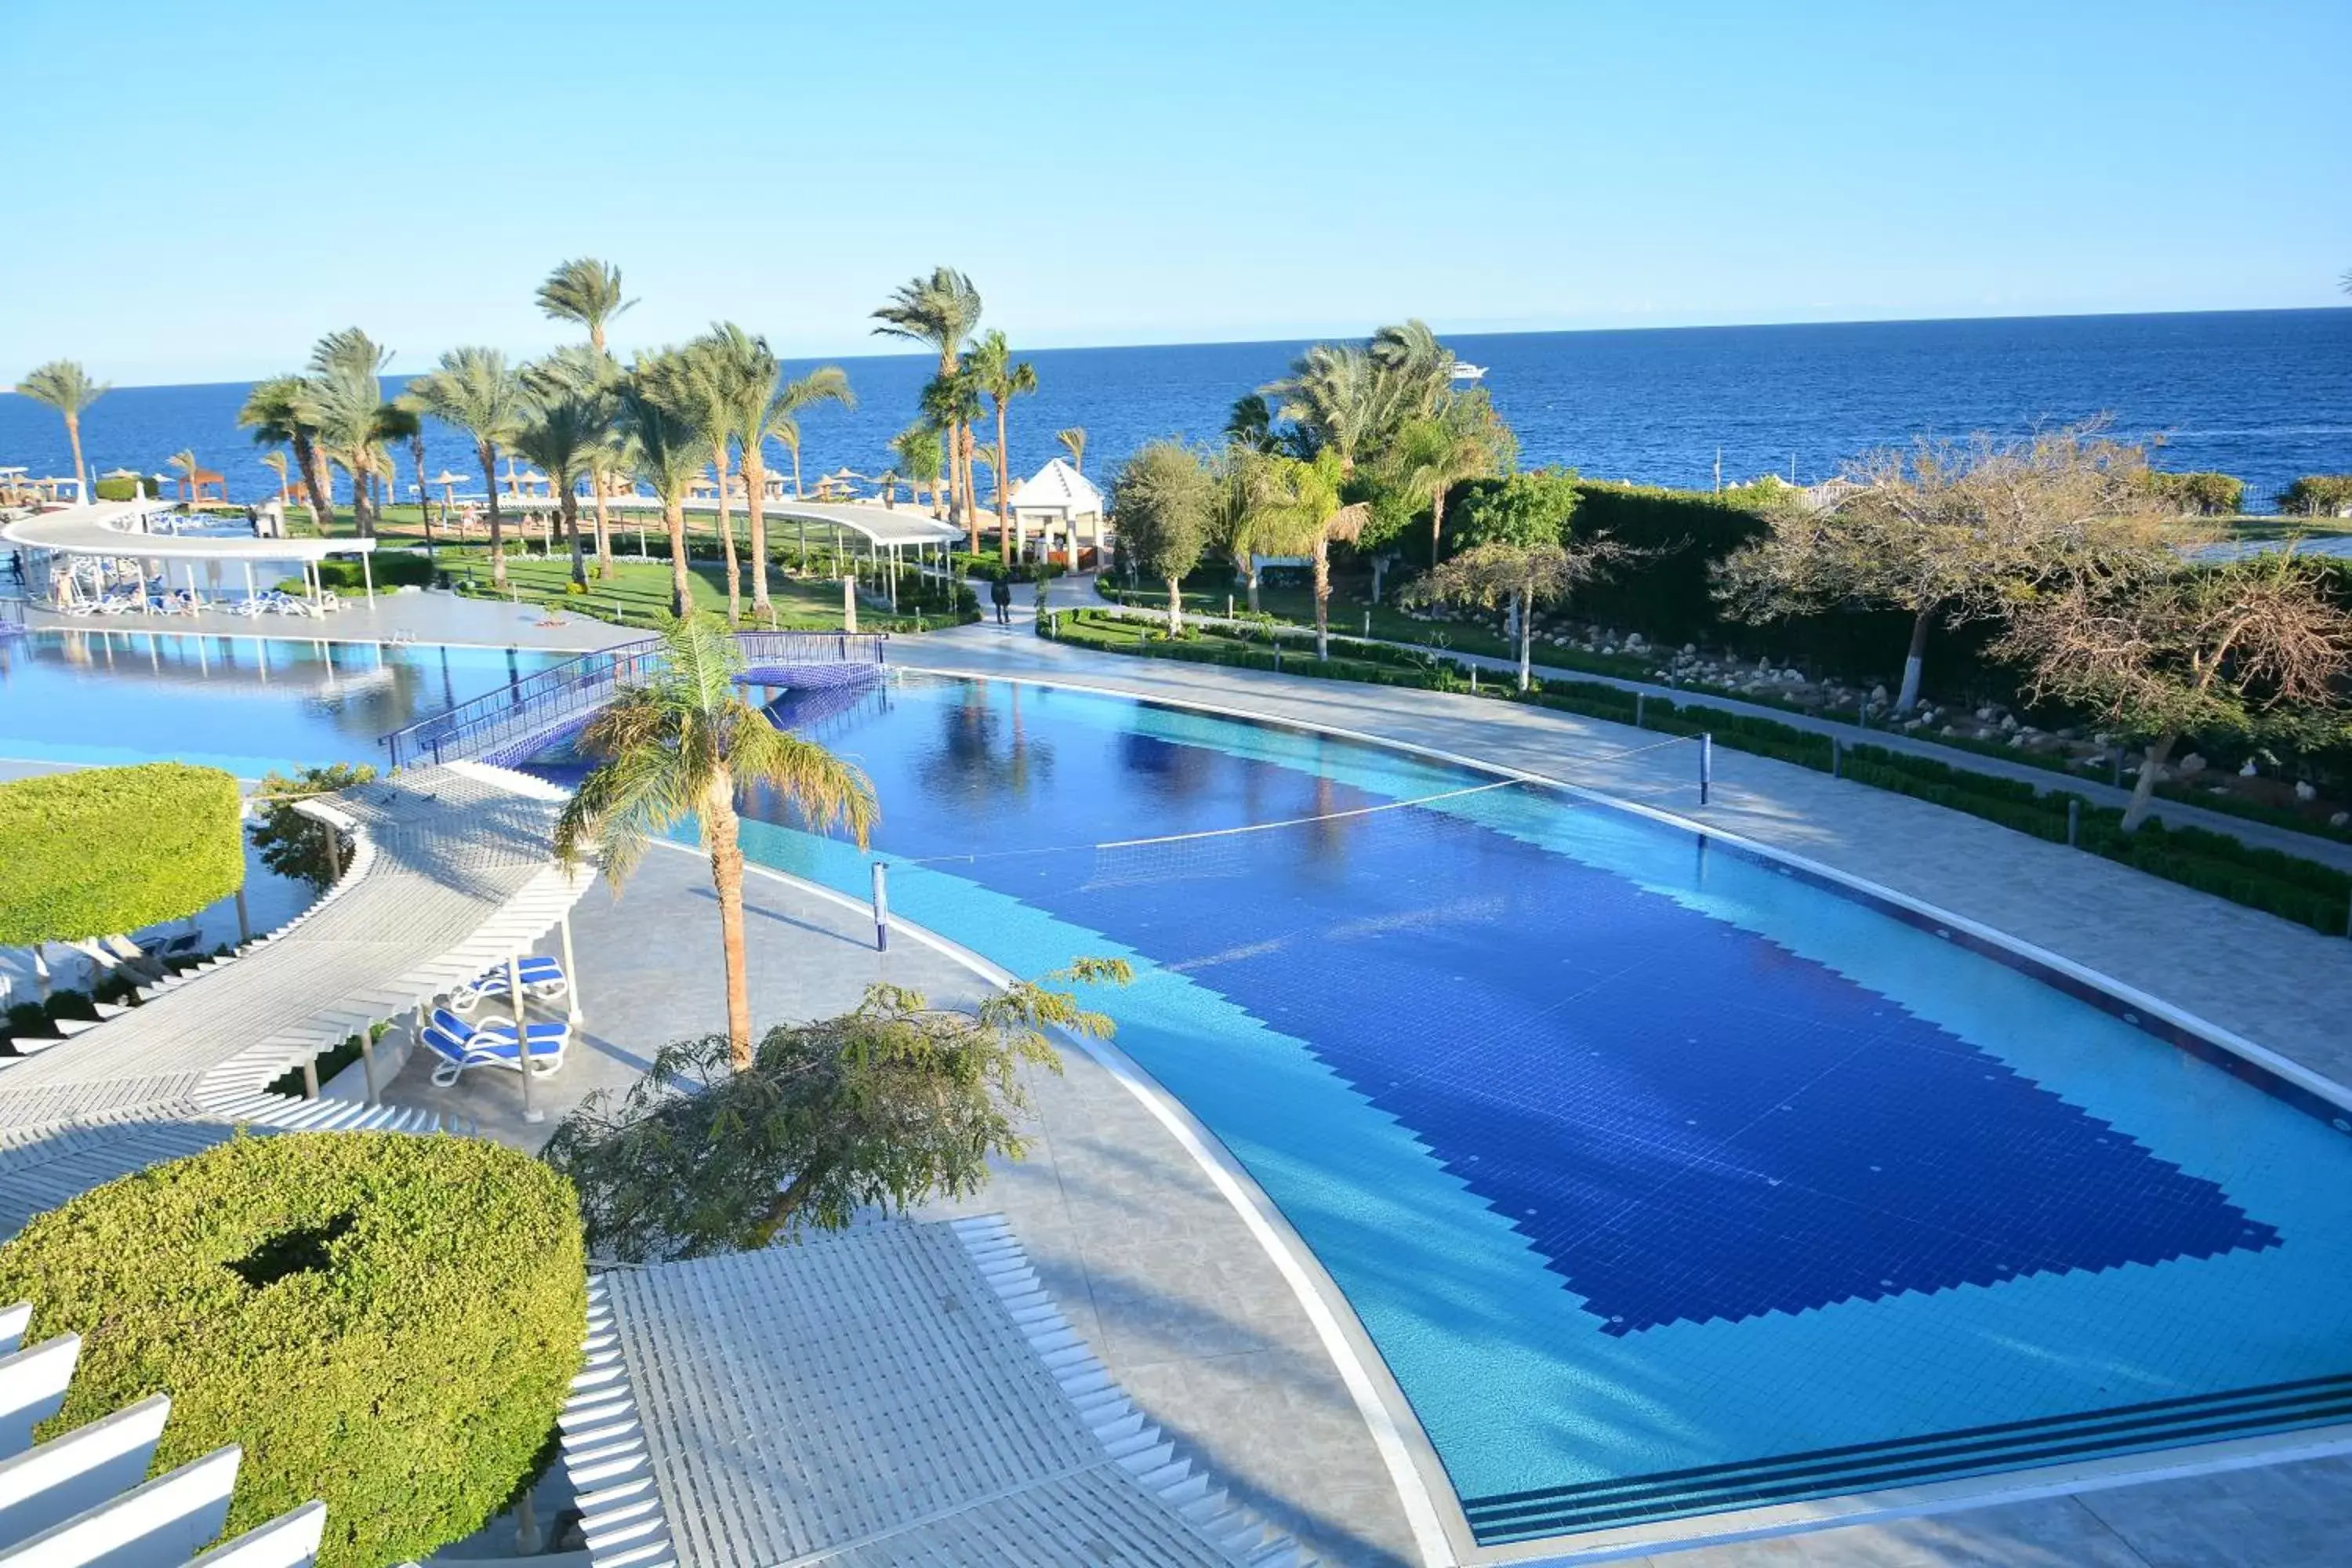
(1638, 700)
(881, 907)
(2074, 821)
(1705, 764)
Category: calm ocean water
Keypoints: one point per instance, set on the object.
(2265, 395)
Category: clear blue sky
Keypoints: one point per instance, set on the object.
(252, 175)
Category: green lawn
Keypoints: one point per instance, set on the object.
(638, 594)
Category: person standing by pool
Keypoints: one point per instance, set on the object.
(1000, 594)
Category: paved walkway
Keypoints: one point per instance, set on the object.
(1136, 1245)
(441, 617)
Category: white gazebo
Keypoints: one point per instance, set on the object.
(1057, 498)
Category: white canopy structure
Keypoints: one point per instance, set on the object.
(147, 534)
(1058, 498)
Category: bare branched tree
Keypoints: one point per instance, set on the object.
(2182, 648)
(1952, 532)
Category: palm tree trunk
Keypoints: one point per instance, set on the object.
(489, 456)
(798, 494)
(1003, 524)
(721, 831)
(572, 526)
(81, 472)
(681, 592)
(1322, 599)
(969, 485)
(1436, 520)
(755, 480)
(603, 529)
(727, 543)
(423, 496)
(1175, 607)
(1914, 660)
(317, 480)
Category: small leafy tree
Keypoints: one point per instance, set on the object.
(888, 1104)
(2317, 495)
(2248, 648)
(291, 844)
(1164, 500)
(1951, 531)
(1533, 508)
(2201, 494)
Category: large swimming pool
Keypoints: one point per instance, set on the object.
(1663, 1181)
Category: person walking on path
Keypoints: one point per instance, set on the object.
(1000, 594)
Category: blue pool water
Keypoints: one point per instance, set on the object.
(245, 704)
(1663, 1180)
(1636, 1157)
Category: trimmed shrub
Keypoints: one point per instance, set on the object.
(127, 490)
(2203, 494)
(112, 849)
(2317, 495)
(387, 1322)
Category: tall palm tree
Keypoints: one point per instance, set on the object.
(825, 383)
(345, 401)
(1074, 442)
(996, 372)
(917, 455)
(396, 423)
(1341, 399)
(1306, 518)
(941, 310)
(1422, 367)
(681, 747)
(667, 450)
(1463, 439)
(587, 291)
(561, 435)
(1248, 510)
(184, 460)
(711, 383)
(64, 386)
(474, 390)
(952, 402)
(276, 463)
(585, 371)
(274, 412)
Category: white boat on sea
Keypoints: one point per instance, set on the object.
(1463, 371)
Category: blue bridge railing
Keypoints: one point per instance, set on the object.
(497, 724)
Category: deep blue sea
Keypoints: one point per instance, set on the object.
(2265, 395)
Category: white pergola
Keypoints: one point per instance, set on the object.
(134, 529)
(854, 532)
(1057, 498)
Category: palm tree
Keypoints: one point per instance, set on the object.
(667, 448)
(474, 390)
(715, 376)
(560, 435)
(274, 412)
(587, 291)
(397, 424)
(825, 383)
(1248, 515)
(276, 463)
(1340, 399)
(1305, 518)
(1422, 367)
(680, 748)
(64, 386)
(1074, 442)
(583, 370)
(942, 310)
(916, 450)
(995, 371)
(952, 402)
(184, 460)
(1462, 441)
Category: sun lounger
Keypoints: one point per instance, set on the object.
(542, 981)
(461, 1045)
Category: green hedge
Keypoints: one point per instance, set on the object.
(127, 490)
(387, 1322)
(104, 850)
(2300, 891)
